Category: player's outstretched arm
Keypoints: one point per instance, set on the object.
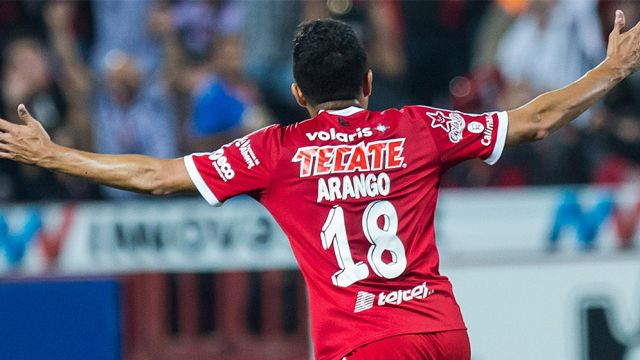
(30, 144)
(551, 111)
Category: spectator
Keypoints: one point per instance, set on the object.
(131, 110)
(221, 104)
(27, 78)
(224, 102)
(122, 25)
(266, 34)
(495, 21)
(549, 46)
(200, 22)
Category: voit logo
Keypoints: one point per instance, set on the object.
(366, 300)
(332, 134)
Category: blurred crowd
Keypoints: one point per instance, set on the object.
(165, 78)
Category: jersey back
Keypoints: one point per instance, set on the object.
(355, 192)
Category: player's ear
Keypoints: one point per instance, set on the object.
(297, 93)
(367, 83)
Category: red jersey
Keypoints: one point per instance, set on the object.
(355, 192)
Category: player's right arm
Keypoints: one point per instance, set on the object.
(553, 110)
(30, 144)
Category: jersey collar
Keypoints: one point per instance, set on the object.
(343, 112)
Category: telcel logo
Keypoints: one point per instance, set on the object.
(365, 300)
(399, 296)
(332, 134)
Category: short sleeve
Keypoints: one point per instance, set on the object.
(240, 167)
(459, 136)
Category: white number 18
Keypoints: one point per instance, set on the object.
(382, 238)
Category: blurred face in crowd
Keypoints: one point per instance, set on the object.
(122, 78)
(228, 56)
(541, 9)
(25, 71)
(225, 61)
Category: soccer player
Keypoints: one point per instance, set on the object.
(354, 190)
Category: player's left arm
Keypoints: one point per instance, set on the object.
(553, 110)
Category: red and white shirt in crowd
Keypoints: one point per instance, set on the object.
(355, 192)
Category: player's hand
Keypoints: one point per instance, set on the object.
(623, 50)
(28, 143)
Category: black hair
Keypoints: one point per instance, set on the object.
(329, 61)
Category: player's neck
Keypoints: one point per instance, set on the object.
(334, 105)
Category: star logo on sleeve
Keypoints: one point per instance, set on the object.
(438, 119)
